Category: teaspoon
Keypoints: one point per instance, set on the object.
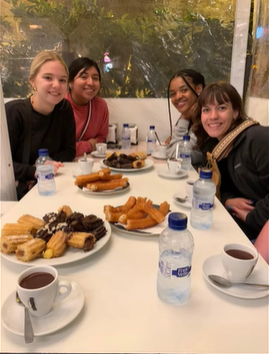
(28, 329)
(181, 200)
(225, 283)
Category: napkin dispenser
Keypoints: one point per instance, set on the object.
(112, 134)
(134, 133)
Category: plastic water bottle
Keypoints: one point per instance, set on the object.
(45, 175)
(204, 191)
(151, 140)
(176, 246)
(185, 150)
(126, 137)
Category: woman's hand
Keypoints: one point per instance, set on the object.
(93, 143)
(167, 141)
(239, 207)
(56, 166)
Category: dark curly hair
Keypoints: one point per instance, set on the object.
(220, 92)
(192, 76)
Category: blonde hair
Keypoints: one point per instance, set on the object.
(42, 58)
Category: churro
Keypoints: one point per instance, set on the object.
(57, 243)
(15, 229)
(82, 180)
(107, 185)
(31, 221)
(81, 240)
(10, 243)
(148, 221)
(128, 205)
(68, 211)
(138, 164)
(30, 249)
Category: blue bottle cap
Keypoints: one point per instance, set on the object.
(177, 221)
(206, 174)
(186, 138)
(126, 125)
(43, 152)
(152, 127)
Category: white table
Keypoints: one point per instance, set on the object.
(122, 311)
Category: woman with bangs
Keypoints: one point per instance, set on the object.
(243, 162)
(91, 112)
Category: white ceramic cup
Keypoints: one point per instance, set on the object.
(174, 165)
(189, 189)
(41, 299)
(238, 269)
(101, 148)
(162, 150)
(86, 166)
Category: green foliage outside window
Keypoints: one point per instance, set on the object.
(144, 51)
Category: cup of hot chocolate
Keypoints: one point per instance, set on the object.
(239, 261)
(39, 288)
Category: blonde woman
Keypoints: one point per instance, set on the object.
(44, 120)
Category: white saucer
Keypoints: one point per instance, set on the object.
(187, 204)
(62, 313)
(166, 174)
(156, 155)
(99, 156)
(213, 265)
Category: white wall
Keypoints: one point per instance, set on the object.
(144, 112)
(7, 182)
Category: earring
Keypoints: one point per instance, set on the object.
(34, 88)
(70, 87)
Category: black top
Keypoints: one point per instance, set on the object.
(55, 132)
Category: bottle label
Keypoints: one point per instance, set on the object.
(49, 176)
(184, 156)
(42, 177)
(168, 272)
(205, 206)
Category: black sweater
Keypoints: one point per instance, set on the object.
(55, 132)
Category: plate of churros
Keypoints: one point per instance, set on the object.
(56, 239)
(138, 216)
(102, 182)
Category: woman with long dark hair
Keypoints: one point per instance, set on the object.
(90, 111)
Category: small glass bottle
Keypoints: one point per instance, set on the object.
(45, 173)
(151, 140)
(204, 191)
(126, 137)
(176, 246)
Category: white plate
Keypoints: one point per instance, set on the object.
(213, 265)
(166, 174)
(62, 313)
(156, 155)
(104, 193)
(99, 156)
(186, 204)
(71, 254)
(148, 164)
